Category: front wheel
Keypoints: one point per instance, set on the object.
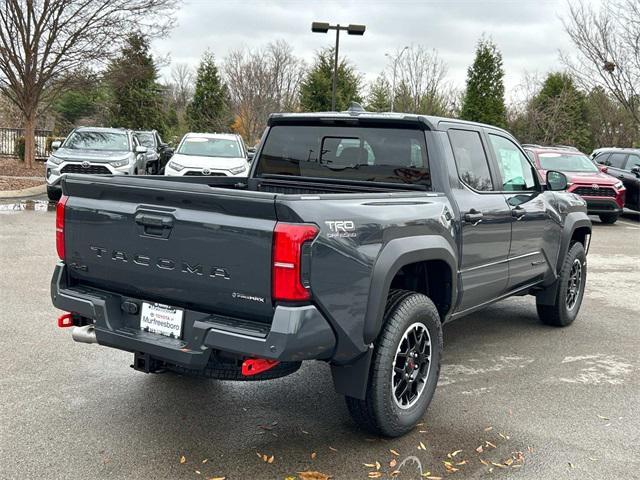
(609, 218)
(404, 368)
(570, 290)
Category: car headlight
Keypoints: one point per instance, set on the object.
(237, 170)
(55, 160)
(119, 163)
(175, 165)
(618, 186)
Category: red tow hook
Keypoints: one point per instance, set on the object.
(65, 320)
(254, 366)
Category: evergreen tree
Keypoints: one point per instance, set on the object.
(379, 99)
(562, 113)
(136, 96)
(316, 88)
(208, 111)
(484, 98)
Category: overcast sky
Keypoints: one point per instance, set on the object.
(528, 32)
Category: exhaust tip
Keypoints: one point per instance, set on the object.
(86, 334)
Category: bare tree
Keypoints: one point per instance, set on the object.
(260, 82)
(42, 40)
(182, 85)
(421, 76)
(608, 49)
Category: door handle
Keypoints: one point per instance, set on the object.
(473, 217)
(518, 213)
(149, 220)
(620, 176)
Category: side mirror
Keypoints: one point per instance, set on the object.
(55, 145)
(556, 181)
(602, 168)
(250, 156)
(636, 170)
(141, 149)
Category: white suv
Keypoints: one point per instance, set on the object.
(215, 154)
(94, 150)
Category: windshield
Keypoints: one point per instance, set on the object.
(107, 141)
(146, 139)
(210, 147)
(372, 154)
(566, 162)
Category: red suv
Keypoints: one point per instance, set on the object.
(603, 193)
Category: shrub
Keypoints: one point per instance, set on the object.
(18, 148)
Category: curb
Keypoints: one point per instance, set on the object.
(25, 192)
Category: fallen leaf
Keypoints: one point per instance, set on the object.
(603, 418)
(488, 429)
(394, 452)
(456, 453)
(313, 455)
(305, 432)
(393, 463)
(183, 459)
(395, 473)
(571, 465)
(422, 446)
(463, 462)
(205, 460)
(479, 449)
(484, 462)
(508, 462)
(422, 431)
(198, 472)
(489, 444)
(375, 474)
(217, 478)
(333, 449)
(499, 465)
(271, 459)
(313, 475)
(369, 465)
(433, 478)
(378, 465)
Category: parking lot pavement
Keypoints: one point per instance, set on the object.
(561, 403)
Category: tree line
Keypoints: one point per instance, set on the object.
(83, 75)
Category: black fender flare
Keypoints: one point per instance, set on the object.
(572, 222)
(395, 255)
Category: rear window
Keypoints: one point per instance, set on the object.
(389, 155)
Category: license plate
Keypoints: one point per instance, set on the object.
(161, 319)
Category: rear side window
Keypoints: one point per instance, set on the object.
(634, 161)
(390, 155)
(616, 160)
(471, 159)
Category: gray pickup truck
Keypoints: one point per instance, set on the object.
(353, 239)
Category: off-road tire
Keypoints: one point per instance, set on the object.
(609, 218)
(232, 371)
(558, 314)
(54, 194)
(378, 413)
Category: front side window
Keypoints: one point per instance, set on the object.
(366, 154)
(566, 162)
(516, 171)
(634, 161)
(471, 159)
(105, 141)
(147, 140)
(210, 147)
(616, 160)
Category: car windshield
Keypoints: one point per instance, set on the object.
(146, 139)
(566, 162)
(210, 147)
(107, 141)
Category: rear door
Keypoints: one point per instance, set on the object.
(631, 181)
(185, 245)
(485, 220)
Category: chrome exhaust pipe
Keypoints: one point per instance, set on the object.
(86, 334)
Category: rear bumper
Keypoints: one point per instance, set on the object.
(296, 333)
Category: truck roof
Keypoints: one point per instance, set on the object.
(425, 121)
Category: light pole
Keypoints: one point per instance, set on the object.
(395, 60)
(323, 27)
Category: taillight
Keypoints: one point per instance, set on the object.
(60, 226)
(288, 239)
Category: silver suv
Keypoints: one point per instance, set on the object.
(94, 150)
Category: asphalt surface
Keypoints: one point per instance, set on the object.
(560, 403)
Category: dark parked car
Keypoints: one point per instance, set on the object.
(624, 164)
(353, 239)
(158, 152)
(604, 194)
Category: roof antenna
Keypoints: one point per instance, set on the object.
(355, 107)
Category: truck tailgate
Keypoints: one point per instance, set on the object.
(186, 245)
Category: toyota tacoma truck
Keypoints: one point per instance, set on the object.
(353, 239)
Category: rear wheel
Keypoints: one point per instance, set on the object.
(54, 194)
(570, 290)
(404, 368)
(609, 218)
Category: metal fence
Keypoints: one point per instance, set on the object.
(9, 137)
